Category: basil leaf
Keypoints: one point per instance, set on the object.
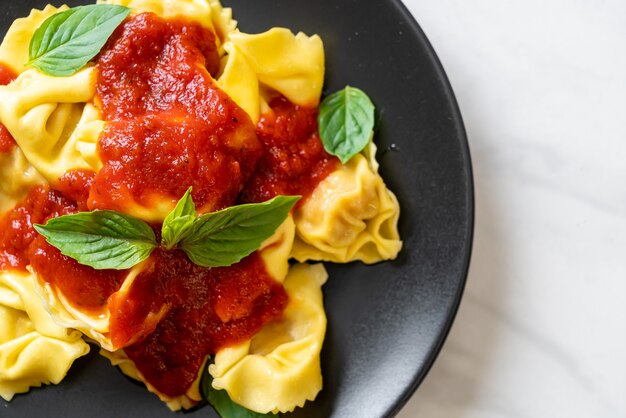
(102, 239)
(179, 221)
(223, 238)
(222, 403)
(66, 41)
(346, 122)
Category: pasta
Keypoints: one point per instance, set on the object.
(351, 215)
(279, 368)
(278, 60)
(51, 133)
(179, 102)
(33, 349)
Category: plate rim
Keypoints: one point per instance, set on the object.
(470, 214)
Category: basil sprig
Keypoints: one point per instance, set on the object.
(68, 40)
(222, 403)
(346, 122)
(106, 239)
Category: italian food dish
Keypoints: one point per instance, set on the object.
(169, 188)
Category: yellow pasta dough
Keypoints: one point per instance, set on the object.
(288, 64)
(279, 368)
(351, 215)
(239, 80)
(51, 121)
(34, 350)
(276, 250)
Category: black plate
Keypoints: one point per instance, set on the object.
(386, 322)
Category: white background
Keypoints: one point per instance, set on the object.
(541, 331)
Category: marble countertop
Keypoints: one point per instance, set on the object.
(541, 331)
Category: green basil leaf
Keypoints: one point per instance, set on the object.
(346, 122)
(222, 403)
(66, 41)
(223, 238)
(102, 239)
(178, 223)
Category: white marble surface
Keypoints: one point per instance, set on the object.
(541, 331)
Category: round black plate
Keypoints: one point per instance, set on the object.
(386, 322)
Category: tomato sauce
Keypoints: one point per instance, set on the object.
(16, 227)
(7, 74)
(85, 288)
(21, 245)
(294, 161)
(172, 127)
(207, 309)
(7, 143)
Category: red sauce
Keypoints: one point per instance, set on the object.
(7, 74)
(84, 287)
(207, 309)
(16, 226)
(7, 143)
(294, 161)
(21, 245)
(172, 126)
(75, 185)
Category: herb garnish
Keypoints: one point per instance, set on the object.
(346, 122)
(67, 40)
(106, 239)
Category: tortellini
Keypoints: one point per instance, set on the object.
(288, 64)
(351, 215)
(279, 368)
(51, 121)
(34, 350)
